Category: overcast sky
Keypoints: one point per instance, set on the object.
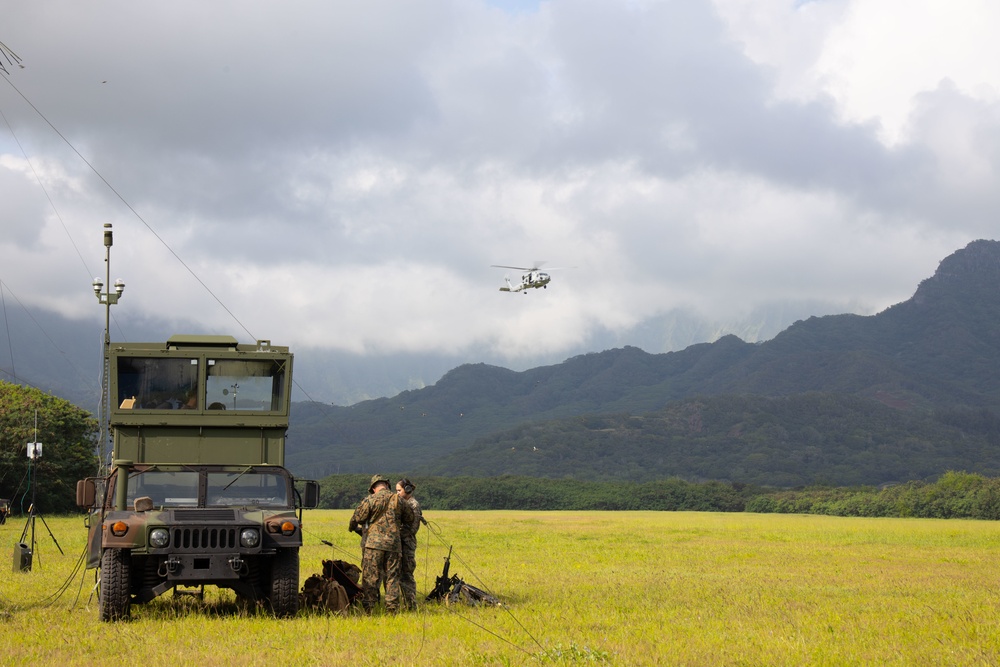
(342, 174)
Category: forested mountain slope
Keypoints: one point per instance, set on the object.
(797, 440)
(922, 373)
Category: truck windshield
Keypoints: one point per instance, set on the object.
(236, 384)
(249, 488)
(165, 488)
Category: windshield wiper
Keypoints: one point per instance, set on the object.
(245, 471)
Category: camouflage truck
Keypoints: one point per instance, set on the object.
(197, 493)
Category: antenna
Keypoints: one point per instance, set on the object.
(24, 551)
(107, 298)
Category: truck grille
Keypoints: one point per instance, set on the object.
(204, 515)
(204, 539)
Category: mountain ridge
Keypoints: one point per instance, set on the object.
(935, 351)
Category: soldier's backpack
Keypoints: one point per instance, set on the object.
(322, 594)
(346, 574)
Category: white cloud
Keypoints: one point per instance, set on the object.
(343, 176)
(872, 58)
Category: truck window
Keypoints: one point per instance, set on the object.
(157, 384)
(245, 384)
(246, 489)
(165, 488)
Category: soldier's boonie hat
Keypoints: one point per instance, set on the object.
(376, 479)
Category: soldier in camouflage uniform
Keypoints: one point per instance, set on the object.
(408, 539)
(384, 514)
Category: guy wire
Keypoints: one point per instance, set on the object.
(487, 630)
(17, 489)
(330, 544)
(437, 533)
(423, 607)
(433, 528)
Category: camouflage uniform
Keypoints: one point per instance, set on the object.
(408, 541)
(384, 514)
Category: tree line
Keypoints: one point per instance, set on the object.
(955, 495)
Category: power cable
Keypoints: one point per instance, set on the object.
(63, 587)
(482, 627)
(432, 527)
(121, 198)
(427, 570)
(11, 58)
(17, 488)
(129, 206)
(62, 222)
(41, 184)
(10, 342)
(52, 598)
(148, 227)
(330, 544)
(52, 205)
(10, 54)
(27, 489)
(62, 352)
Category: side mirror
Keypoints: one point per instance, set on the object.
(86, 492)
(310, 499)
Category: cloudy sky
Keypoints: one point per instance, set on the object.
(340, 175)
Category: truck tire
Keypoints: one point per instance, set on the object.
(116, 566)
(283, 595)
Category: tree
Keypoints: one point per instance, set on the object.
(68, 435)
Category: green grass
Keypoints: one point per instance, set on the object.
(580, 587)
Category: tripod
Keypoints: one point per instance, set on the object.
(33, 454)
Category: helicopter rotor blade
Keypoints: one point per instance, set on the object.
(519, 268)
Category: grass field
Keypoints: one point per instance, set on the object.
(626, 588)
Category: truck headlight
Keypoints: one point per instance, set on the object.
(249, 538)
(159, 538)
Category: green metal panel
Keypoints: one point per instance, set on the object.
(187, 445)
(200, 399)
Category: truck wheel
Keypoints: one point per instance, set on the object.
(284, 591)
(114, 598)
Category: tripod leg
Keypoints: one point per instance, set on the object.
(51, 535)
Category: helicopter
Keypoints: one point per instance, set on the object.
(534, 278)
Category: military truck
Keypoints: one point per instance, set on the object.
(197, 494)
